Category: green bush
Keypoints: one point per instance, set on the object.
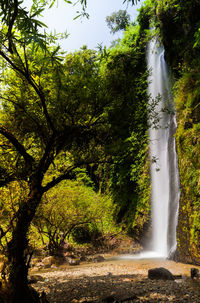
(74, 211)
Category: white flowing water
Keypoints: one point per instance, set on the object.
(165, 191)
(164, 168)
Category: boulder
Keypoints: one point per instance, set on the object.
(160, 273)
(39, 265)
(48, 261)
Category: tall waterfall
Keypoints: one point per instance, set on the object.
(164, 167)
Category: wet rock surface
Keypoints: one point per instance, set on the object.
(118, 281)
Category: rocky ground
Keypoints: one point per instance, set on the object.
(117, 281)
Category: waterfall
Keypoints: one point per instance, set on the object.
(164, 166)
(165, 190)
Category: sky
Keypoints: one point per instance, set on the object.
(83, 31)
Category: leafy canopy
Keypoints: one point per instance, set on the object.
(118, 21)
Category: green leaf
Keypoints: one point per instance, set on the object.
(37, 13)
(52, 3)
(78, 16)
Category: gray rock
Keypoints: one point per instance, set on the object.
(73, 262)
(160, 273)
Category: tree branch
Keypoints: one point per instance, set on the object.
(67, 175)
(37, 89)
(11, 24)
(19, 147)
(46, 159)
(39, 127)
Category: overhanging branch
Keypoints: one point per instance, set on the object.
(69, 174)
(19, 147)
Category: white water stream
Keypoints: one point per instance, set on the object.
(164, 166)
(165, 191)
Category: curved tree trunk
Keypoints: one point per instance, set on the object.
(17, 250)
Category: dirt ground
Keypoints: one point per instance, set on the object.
(117, 280)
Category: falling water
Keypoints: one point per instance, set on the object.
(165, 191)
(164, 167)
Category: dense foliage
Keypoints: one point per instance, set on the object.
(118, 21)
(125, 73)
(59, 114)
(75, 212)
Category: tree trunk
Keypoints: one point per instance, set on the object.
(17, 250)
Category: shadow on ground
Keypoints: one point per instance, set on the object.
(117, 288)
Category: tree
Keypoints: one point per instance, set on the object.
(43, 117)
(118, 21)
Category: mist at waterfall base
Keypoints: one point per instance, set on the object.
(164, 165)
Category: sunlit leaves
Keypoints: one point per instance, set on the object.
(69, 206)
(197, 38)
(118, 21)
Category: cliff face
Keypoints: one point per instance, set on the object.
(179, 25)
(188, 145)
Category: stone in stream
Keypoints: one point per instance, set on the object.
(160, 273)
